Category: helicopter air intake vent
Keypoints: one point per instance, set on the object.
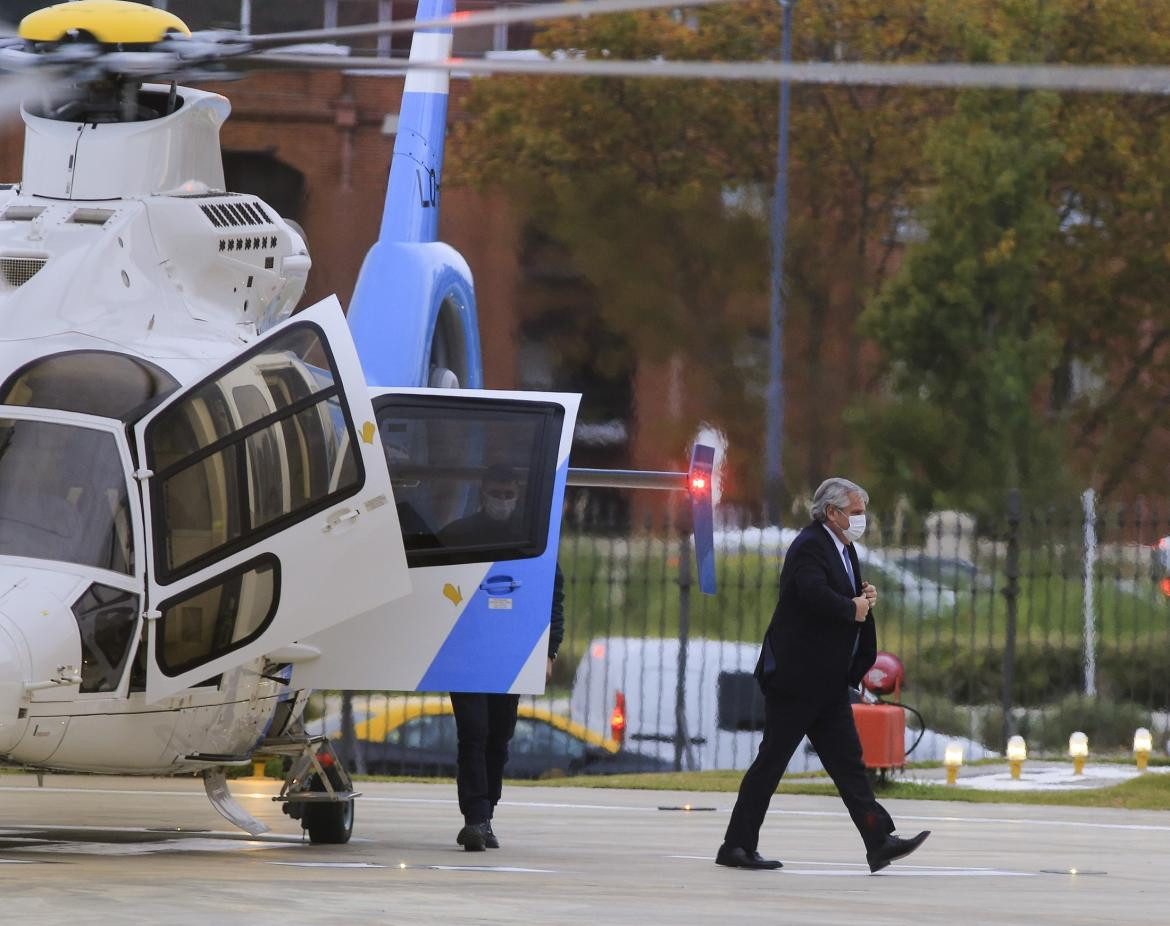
(22, 213)
(91, 216)
(236, 214)
(16, 271)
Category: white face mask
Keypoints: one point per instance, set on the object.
(499, 509)
(856, 527)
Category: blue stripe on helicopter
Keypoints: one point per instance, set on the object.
(487, 647)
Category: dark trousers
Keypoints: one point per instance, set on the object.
(829, 725)
(485, 723)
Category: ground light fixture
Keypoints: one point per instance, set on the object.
(1017, 752)
(1143, 744)
(953, 759)
(1078, 748)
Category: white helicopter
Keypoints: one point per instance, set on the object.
(206, 509)
(198, 522)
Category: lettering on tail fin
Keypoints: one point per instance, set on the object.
(432, 189)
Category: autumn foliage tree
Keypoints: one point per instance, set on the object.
(660, 191)
(1011, 246)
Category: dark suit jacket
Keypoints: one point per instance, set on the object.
(808, 647)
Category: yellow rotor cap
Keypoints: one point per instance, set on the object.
(110, 22)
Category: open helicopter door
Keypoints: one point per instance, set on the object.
(269, 511)
(479, 482)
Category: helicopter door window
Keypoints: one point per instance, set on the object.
(264, 445)
(63, 495)
(106, 618)
(472, 478)
(219, 616)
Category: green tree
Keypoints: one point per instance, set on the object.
(1027, 341)
(965, 327)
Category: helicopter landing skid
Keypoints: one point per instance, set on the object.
(216, 786)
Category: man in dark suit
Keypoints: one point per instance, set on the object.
(820, 643)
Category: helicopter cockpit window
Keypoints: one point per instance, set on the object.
(106, 618)
(63, 495)
(472, 482)
(261, 446)
(87, 381)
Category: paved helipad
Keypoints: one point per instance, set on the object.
(92, 850)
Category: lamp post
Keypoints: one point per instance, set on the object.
(774, 425)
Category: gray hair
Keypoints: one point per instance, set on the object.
(834, 491)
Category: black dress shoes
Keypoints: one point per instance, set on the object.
(489, 838)
(894, 848)
(473, 838)
(741, 858)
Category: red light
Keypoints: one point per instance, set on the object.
(599, 651)
(325, 758)
(617, 720)
(1164, 585)
(461, 14)
(698, 483)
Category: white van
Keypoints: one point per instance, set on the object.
(635, 680)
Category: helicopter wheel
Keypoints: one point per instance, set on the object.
(329, 823)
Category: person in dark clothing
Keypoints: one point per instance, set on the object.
(820, 643)
(484, 725)
(499, 516)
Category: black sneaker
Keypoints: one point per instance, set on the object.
(489, 838)
(472, 837)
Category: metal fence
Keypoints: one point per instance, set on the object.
(1037, 621)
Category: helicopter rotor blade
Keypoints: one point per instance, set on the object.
(1089, 79)
(467, 20)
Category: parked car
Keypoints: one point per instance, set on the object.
(1160, 565)
(630, 685)
(911, 591)
(946, 571)
(416, 736)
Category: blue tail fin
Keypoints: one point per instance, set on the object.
(412, 200)
(413, 313)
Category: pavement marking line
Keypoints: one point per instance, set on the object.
(330, 864)
(805, 861)
(904, 873)
(493, 868)
(549, 805)
(855, 869)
